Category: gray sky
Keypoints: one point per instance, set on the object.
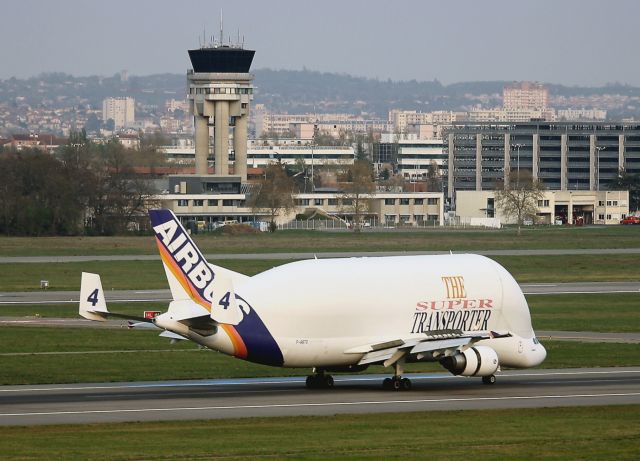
(573, 42)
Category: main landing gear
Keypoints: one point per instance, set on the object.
(319, 380)
(397, 382)
(491, 379)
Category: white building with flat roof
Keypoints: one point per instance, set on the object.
(121, 110)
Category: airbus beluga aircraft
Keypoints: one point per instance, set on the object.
(337, 315)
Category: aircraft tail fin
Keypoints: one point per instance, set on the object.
(92, 302)
(189, 274)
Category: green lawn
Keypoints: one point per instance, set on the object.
(320, 241)
(611, 312)
(145, 275)
(586, 433)
(184, 360)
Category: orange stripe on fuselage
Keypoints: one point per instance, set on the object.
(239, 347)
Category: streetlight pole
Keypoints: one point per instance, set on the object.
(598, 149)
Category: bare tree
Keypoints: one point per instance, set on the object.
(274, 194)
(518, 197)
(356, 199)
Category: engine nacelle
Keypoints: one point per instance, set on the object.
(474, 361)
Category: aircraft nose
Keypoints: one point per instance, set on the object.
(538, 354)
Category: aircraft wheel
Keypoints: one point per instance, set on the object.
(311, 382)
(386, 384)
(328, 381)
(489, 379)
(396, 384)
(406, 384)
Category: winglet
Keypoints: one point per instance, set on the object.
(92, 302)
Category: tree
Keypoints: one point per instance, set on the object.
(356, 199)
(274, 194)
(518, 197)
(35, 196)
(434, 179)
(631, 182)
(120, 195)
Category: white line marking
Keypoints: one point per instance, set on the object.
(75, 301)
(326, 404)
(297, 379)
(18, 354)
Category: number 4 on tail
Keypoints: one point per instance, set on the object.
(224, 301)
(93, 297)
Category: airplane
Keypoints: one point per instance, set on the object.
(463, 311)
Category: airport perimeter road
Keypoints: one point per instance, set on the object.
(130, 296)
(155, 401)
(342, 254)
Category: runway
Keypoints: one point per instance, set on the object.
(307, 255)
(131, 296)
(180, 400)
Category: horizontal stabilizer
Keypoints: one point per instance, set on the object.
(173, 336)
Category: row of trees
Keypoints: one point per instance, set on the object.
(85, 188)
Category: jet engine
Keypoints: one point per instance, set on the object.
(474, 361)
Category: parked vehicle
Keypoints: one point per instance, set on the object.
(631, 220)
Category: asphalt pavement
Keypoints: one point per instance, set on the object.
(266, 397)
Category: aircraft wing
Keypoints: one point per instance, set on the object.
(430, 346)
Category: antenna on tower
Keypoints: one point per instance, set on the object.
(221, 29)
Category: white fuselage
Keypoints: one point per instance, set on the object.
(317, 310)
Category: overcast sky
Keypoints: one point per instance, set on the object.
(573, 42)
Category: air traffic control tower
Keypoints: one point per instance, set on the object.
(220, 91)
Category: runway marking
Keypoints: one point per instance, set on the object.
(326, 404)
(75, 301)
(298, 379)
(13, 354)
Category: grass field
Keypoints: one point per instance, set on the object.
(145, 275)
(39, 355)
(588, 433)
(612, 312)
(320, 241)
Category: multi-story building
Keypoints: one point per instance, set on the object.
(525, 95)
(582, 114)
(555, 207)
(404, 121)
(416, 158)
(212, 200)
(563, 155)
(120, 110)
(511, 115)
(331, 124)
(260, 155)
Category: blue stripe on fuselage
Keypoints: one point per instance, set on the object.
(261, 347)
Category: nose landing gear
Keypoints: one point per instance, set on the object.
(491, 379)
